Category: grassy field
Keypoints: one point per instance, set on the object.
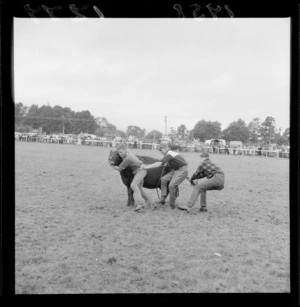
(74, 233)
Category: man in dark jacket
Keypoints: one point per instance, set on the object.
(178, 174)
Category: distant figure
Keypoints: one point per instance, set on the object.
(213, 179)
(259, 151)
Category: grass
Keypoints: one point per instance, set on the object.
(74, 233)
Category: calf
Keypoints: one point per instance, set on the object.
(151, 180)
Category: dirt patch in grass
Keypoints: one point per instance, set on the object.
(74, 233)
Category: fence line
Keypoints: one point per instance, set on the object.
(248, 152)
(139, 145)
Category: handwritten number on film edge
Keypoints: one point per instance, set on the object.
(177, 7)
(213, 11)
(50, 11)
(198, 8)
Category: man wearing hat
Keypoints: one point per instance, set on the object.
(175, 177)
(213, 179)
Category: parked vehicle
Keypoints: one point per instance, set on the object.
(216, 142)
(235, 144)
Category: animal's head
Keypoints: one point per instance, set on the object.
(114, 158)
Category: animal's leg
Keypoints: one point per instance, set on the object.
(130, 200)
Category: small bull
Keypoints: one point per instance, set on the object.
(151, 180)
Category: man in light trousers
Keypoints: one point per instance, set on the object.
(134, 164)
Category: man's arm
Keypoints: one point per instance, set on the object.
(153, 165)
(198, 174)
(126, 161)
(163, 161)
(122, 166)
(115, 167)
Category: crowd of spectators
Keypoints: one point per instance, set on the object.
(268, 150)
(257, 150)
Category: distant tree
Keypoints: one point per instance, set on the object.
(268, 129)
(154, 134)
(67, 117)
(31, 118)
(287, 133)
(58, 119)
(110, 129)
(20, 113)
(45, 117)
(286, 136)
(101, 121)
(104, 127)
(190, 134)
(173, 134)
(236, 131)
(84, 122)
(121, 134)
(278, 137)
(135, 131)
(47, 120)
(181, 131)
(62, 119)
(254, 128)
(22, 128)
(206, 130)
(98, 132)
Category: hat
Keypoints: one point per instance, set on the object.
(204, 155)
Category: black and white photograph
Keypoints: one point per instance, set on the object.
(152, 155)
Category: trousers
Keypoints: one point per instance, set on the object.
(214, 183)
(174, 178)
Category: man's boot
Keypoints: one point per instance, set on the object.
(162, 201)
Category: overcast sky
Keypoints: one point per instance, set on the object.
(137, 71)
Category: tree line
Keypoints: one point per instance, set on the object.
(57, 119)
